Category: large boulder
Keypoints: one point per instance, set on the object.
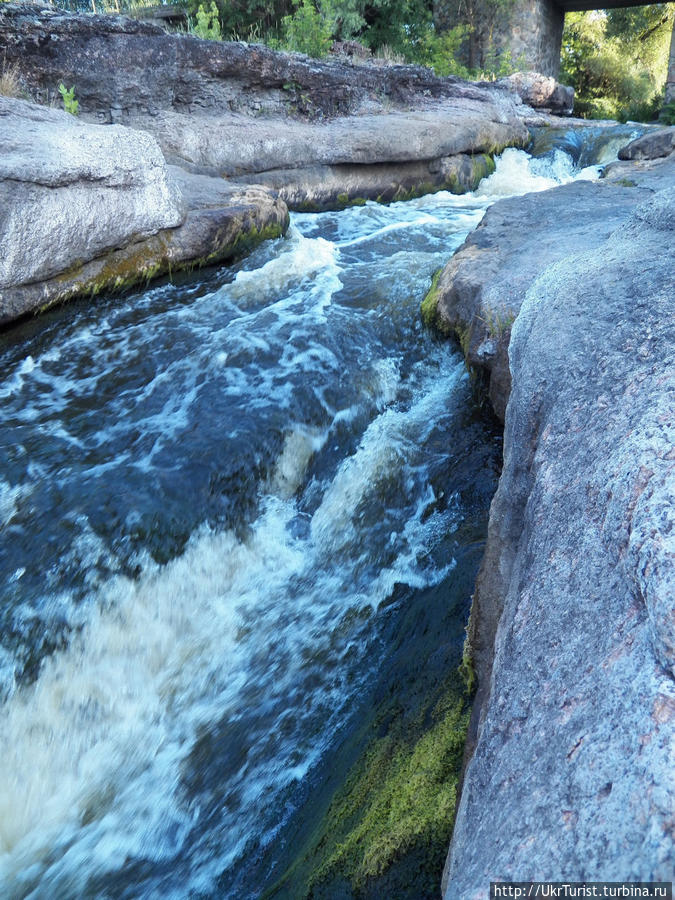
(479, 292)
(572, 627)
(90, 208)
(69, 191)
(541, 91)
(653, 145)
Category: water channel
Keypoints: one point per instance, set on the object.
(219, 500)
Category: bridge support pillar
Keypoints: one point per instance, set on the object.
(670, 79)
(529, 30)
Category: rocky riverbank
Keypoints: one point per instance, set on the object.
(122, 194)
(571, 633)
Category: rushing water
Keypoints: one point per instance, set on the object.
(208, 490)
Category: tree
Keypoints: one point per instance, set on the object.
(617, 60)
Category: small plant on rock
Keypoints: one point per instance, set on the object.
(70, 104)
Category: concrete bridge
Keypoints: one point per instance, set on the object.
(531, 29)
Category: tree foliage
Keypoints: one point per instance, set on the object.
(617, 60)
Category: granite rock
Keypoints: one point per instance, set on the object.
(541, 92)
(480, 290)
(652, 145)
(70, 191)
(572, 626)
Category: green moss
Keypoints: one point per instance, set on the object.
(429, 306)
(467, 668)
(402, 795)
(625, 182)
(344, 200)
(387, 829)
(150, 259)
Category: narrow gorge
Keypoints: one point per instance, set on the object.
(336, 521)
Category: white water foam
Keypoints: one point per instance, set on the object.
(518, 173)
(301, 258)
(93, 753)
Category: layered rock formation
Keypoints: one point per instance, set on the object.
(87, 208)
(572, 627)
(231, 110)
(105, 212)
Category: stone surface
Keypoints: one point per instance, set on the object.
(541, 92)
(574, 612)
(321, 187)
(653, 145)
(239, 145)
(87, 208)
(529, 31)
(480, 290)
(230, 109)
(122, 67)
(70, 191)
(223, 221)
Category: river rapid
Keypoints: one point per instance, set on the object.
(217, 497)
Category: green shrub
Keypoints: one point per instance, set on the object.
(207, 24)
(70, 104)
(308, 31)
(667, 114)
(616, 60)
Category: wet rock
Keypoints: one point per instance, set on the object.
(572, 623)
(541, 92)
(652, 145)
(479, 292)
(328, 187)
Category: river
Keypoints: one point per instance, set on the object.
(218, 499)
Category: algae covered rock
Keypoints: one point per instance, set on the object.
(89, 208)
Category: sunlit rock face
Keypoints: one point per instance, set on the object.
(572, 623)
(71, 190)
(88, 208)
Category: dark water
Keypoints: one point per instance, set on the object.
(216, 498)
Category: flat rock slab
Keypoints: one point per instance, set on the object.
(243, 146)
(222, 222)
(479, 292)
(573, 624)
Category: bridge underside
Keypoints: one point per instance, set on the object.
(583, 5)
